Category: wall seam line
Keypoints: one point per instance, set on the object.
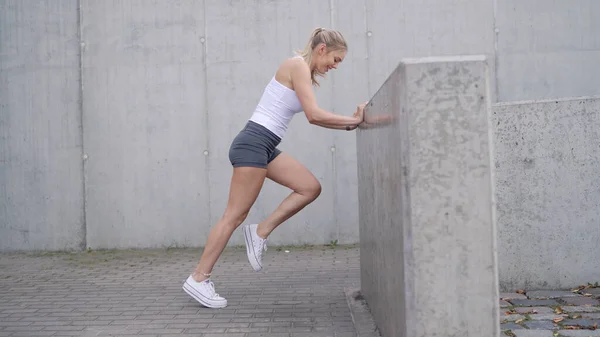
(84, 241)
(207, 124)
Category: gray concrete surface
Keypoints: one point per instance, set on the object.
(41, 168)
(152, 93)
(427, 201)
(547, 49)
(548, 187)
(309, 291)
(145, 124)
(304, 292)
(115, 116)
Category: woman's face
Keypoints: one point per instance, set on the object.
(325, 60)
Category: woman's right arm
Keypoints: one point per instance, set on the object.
(300, 75)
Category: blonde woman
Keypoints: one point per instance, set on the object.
(254, 156)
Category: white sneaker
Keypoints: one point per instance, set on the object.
(204, 292)
(254, 246)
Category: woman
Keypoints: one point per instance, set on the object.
(254, 157)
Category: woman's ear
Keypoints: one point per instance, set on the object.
(322, 49)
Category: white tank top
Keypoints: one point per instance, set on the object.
(276, 108)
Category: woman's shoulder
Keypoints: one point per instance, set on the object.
(294, 63)
(289, 68)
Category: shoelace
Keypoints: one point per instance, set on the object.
(211, 285)
(262, 245)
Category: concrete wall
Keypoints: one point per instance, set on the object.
(547, 49)
(41, 175)
(142, 98)
(145, 123)
(548, 186)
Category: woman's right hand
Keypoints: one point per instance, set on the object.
(359, 114)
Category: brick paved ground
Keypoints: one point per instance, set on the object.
(309, 291)
(306, 292)
(564, 313)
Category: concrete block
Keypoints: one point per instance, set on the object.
(547, 156)
(426, 201)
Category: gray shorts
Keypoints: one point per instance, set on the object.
(254, 146)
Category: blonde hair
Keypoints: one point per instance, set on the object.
(332, 39)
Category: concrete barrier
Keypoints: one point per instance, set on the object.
(426, 201)
(548, 188)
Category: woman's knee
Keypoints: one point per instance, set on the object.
(234, 218)
(312, 190)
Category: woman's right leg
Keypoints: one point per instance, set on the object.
(246, 184)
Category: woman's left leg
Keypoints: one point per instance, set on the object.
(286, 171)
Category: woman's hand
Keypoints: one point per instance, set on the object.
(359, 114)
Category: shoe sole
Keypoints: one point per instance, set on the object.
(249, 251)
(192, 292)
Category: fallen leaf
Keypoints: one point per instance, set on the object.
(558, 319)
(522, 292)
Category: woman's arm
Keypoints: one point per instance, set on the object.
(337, 127)
(302, 83)
(357, 114)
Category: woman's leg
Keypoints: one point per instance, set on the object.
(287, 171)
(246, 184)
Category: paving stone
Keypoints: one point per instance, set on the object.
(511, 318)
(581, 322)
(516, 296)
(583, 300)
(579, 333)
(547, 317)
(534, 310)
(533, 333)
(504, 304)
(595, 292)
(541, 325)
(533, 303)
(549, 294)
(579, 308)
(591, 315)
(510, 326)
